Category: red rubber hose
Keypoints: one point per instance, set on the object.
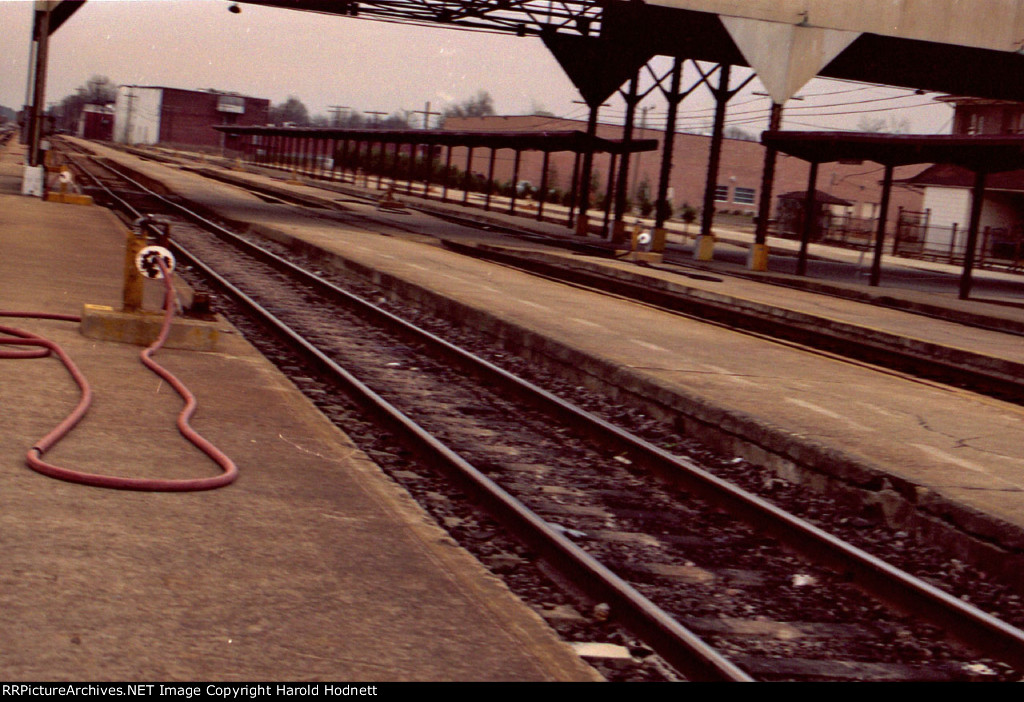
(19, 337)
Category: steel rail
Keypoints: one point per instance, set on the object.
(677, 644)
(674, 642)
(963, 621)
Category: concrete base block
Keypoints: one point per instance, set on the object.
(757, 259)
(618, 232)
(660, 237)
(32, 181)
(69, 198)
(639, 256)
(142, 328)
(704, 248)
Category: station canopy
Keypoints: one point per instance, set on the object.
(570, 140)
(973, 48)
(979, 153)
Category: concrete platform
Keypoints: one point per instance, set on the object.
(312, 566)
(945, 463)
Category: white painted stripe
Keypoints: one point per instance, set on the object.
(948, 458)
(587, 323)
(416, 265)
(729, 375)
(829, 413)
(646, 345)
(532, 304)
(880, 410)
(814, 408)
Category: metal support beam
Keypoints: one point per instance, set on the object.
(515, 182)
(977, 202)
(446, 174)
(588, 165)
(883, 218)
(618, 231)
(608, 196)
(543, 185)
(467, 177)
(41, 37)
(573, 190)
(759, 253)
(722, 96)
(810, 218)
(490, 180)
(661, 208)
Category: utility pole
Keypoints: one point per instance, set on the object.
(128, 119)
(375, 117)
(335, 111)
(426, 115)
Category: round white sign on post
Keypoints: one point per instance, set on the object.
(146, 261)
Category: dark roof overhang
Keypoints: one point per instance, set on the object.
(990, 154)
(575, 141)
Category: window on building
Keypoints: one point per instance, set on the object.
(722, 193)
(743, 196)
(976, 124)
(231, 103)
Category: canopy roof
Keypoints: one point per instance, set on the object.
(575, 141)
(990, 154)
(951, 46)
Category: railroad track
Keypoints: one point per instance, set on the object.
(682, 559)
(997, 378)
(1003, 380)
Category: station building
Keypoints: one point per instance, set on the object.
(853, 190)
(159, 115)
(938, 228)
(96, 122)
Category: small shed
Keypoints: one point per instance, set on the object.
(790, 212)
(97, 123)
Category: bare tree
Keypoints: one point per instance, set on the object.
(290, 111)
(98, 90)
(889, 124)
(480, 105)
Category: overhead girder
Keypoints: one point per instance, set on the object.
(521, 17)
(699, 35)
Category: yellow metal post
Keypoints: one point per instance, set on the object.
(133, 288)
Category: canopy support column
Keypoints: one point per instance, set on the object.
(810, 218)
(883, 217)
(977, 202)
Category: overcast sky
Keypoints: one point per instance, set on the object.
(365, 65)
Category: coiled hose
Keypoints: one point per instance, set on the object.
(34, 458)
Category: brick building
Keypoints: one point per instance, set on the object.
(154, 114)
(96, 122)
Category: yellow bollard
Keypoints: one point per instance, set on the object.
(133, 288)
(757, 260)
(704, 249)
(582, 225)
(660, 237)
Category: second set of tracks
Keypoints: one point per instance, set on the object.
(702, 572)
